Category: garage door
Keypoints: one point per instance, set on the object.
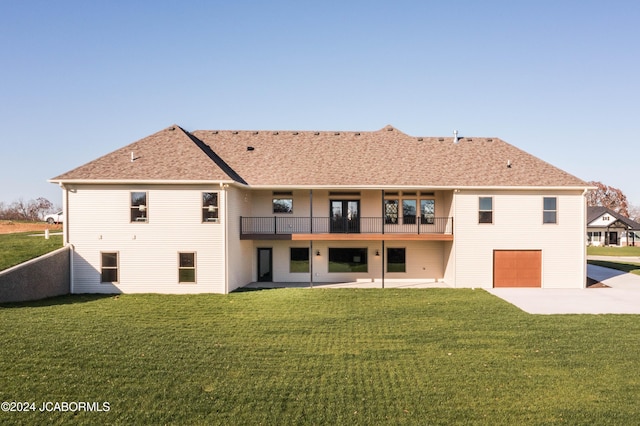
(517, 268)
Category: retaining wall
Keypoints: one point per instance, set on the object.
(45, 276)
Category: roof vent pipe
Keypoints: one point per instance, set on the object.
(455, 136)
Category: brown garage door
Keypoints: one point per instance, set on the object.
(517, 268)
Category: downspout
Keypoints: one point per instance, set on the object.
(72, 253)
(455, 240)
(224, 188)
(311, 256)
(65, 224)
(584, 238)
(65, 237)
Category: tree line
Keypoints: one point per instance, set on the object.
(32, 210)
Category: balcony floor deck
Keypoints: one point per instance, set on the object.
(349, 237)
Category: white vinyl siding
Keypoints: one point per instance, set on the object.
(517, 226)
(240, 253)
(261, 204)
(147, 254)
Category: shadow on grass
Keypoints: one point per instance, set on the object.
(633, 268)
(248, 289)
(71, 299)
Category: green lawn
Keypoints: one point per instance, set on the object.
(280, 357)
(634, 268)
(613, 251)
(20, 247)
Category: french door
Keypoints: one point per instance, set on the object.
(345, 216)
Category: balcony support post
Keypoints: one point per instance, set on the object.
(382, 254)
(311, 263)
(384, 217)
(311, 211)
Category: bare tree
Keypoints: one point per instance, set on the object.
(609, 197)
(634, 212)
(26, 210)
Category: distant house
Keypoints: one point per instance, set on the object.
(211, 211)
(608, 228)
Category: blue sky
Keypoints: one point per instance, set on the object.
(558, 79)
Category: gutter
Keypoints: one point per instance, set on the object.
(140, 182)
(424, 187)
(290, 187)
(65, 237)
(72, 280)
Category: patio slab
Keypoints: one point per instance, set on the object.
(352, 284)
(622, 296)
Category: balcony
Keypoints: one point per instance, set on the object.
(343, 228)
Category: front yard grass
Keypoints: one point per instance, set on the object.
(300, 356)
(20, 247)
(613, 251)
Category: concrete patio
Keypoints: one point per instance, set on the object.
(352, 284)
(622, 296)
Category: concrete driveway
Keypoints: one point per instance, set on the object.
(623, 296)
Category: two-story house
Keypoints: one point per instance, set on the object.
(606, 227)
(211, 211)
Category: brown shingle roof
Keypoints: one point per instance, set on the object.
(170, 154)
(387, 157)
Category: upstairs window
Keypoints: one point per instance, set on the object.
(390, 211)
(485, 210)
(427, 212)
(409, 210)
(283, 205)
(550, 210)
(139, 207)
(209, 206)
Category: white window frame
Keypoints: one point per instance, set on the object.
(546, 211)
(110, 268)
(210, 212)
(188, 268)
(143, 209)
(480, 211)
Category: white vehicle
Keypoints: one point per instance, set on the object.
(54, 218)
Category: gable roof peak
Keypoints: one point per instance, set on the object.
(389, 129)
(169, 154)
